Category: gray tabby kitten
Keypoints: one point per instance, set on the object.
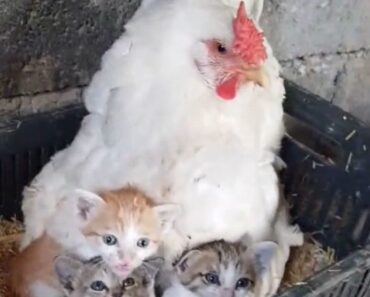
(221, 269)
(94, 278)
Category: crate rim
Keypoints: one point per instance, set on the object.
(330, 276)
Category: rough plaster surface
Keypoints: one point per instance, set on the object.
(49, 46)
(23, 105)
(353, 86)
(300, 28)
(324, 45)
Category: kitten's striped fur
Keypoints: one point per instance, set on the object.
(79, 279)
(226, 261)
(222, 269)
(92, 278)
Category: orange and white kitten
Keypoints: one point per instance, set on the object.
(128, 229)
(124, 227)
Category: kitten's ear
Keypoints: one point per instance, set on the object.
(87, 203)
(187, 260)
(262, 254)
(167, 214)
(153, 265)
(66, 269)
(246, 240)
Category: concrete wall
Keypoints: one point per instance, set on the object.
(50, 48)
(324, 45)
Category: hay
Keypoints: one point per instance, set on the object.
(10, 232)
(306, 260)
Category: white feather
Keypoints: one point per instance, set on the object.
(254, 7)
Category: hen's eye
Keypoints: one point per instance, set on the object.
(221, 48)
(143, 242)
(98, 286)
(129, 282)
(109, 239)
(212, 278)
(242, 283)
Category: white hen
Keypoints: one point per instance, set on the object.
(157, 120)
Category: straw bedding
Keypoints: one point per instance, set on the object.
(10, 232)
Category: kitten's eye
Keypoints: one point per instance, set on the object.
(243, 283)
(212, 278)
(98, 286)
(221, 48)
(109, 239)
(129, 282)
(143, 242)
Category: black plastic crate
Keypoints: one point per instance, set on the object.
(26, 144)
(327, 179)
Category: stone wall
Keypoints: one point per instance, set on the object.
(50, 48)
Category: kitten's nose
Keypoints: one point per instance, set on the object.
(118, 292)
(125, 257)
(121, 254)
(227, 292)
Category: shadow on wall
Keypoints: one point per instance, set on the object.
(50, 45)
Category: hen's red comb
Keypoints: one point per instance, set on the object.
(248, 42)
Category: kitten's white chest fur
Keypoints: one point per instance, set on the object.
(178, 290)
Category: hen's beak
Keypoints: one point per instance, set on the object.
(256, 74)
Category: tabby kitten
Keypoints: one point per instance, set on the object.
(221, 269)
(94, 278)
(87, 278)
